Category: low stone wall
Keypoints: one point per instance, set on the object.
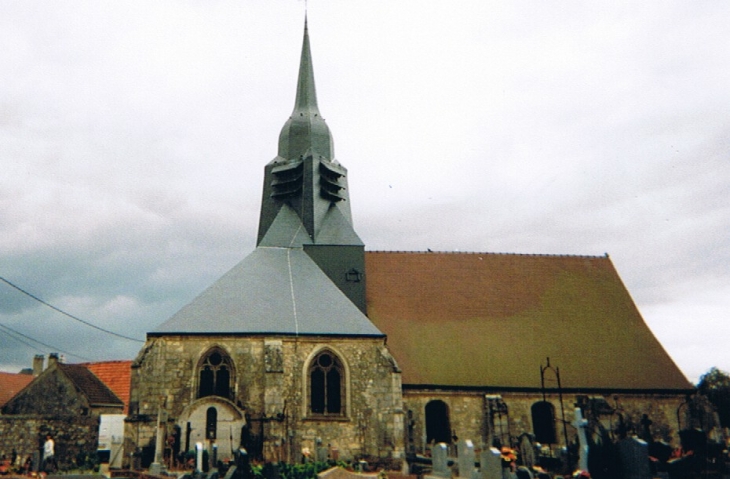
(75, 436)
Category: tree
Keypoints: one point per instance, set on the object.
(715, 385)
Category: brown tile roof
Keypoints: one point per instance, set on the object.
(97, 393)
(117, 375)
(492, 320)
(11, 384)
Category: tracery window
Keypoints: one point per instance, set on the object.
(215, 376)
(326, 385)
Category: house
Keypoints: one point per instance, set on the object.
(116, 375)
(65, 401)
(311, 343)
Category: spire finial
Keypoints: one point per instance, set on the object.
(306, 93)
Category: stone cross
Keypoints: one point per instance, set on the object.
(491, 462)
(580, 425)
(158, 465)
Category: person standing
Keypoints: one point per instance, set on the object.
(49, 455)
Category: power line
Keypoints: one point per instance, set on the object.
(11, 332)
(12, 336)
(67, 314)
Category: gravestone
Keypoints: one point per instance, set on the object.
(242, 468)
(527, 450)
(466, 458)
(633, 458)
(523, 472)
(491, 463)
(661, 451)
(440, 459)
(322, 453)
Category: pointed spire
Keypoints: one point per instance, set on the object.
(306, 93)
(305, 133)
(305, 202)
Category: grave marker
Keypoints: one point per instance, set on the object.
(491, 463)
(466, 458)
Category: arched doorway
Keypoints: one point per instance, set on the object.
(212, 421)
(438, 426)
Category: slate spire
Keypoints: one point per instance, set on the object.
(305, 198)
(305, 202)
(306, 130)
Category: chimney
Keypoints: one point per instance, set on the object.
(52, 359)
(38, 361)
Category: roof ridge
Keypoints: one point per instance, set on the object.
(492, 253)
(92, 363)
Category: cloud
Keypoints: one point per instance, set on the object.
(134, 137)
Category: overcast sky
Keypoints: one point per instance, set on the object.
(133, 137)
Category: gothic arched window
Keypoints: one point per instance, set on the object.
(215, 374)
(326, 385)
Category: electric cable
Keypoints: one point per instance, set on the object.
(67, 314)
(11, 332)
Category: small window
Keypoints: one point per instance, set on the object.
(211, 423)
(215, 375)
(354, 276)
(326, 385)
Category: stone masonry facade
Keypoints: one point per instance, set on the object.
(476, 415)
(270, 390)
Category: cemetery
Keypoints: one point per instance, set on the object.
(594, 454)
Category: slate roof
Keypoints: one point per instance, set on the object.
(491, 320)
(116, 375)
(11, 384)
(272, 291)
(96, 392)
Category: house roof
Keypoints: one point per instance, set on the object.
(272, 291)
(11, 384)
(493, 320)
(116, 375)
(96, 392)
(75, 379)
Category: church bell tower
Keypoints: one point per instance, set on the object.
(305, 201)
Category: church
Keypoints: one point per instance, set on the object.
(312, 344)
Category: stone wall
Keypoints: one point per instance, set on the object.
(75, 436)
(270, 391)
(469, 415)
